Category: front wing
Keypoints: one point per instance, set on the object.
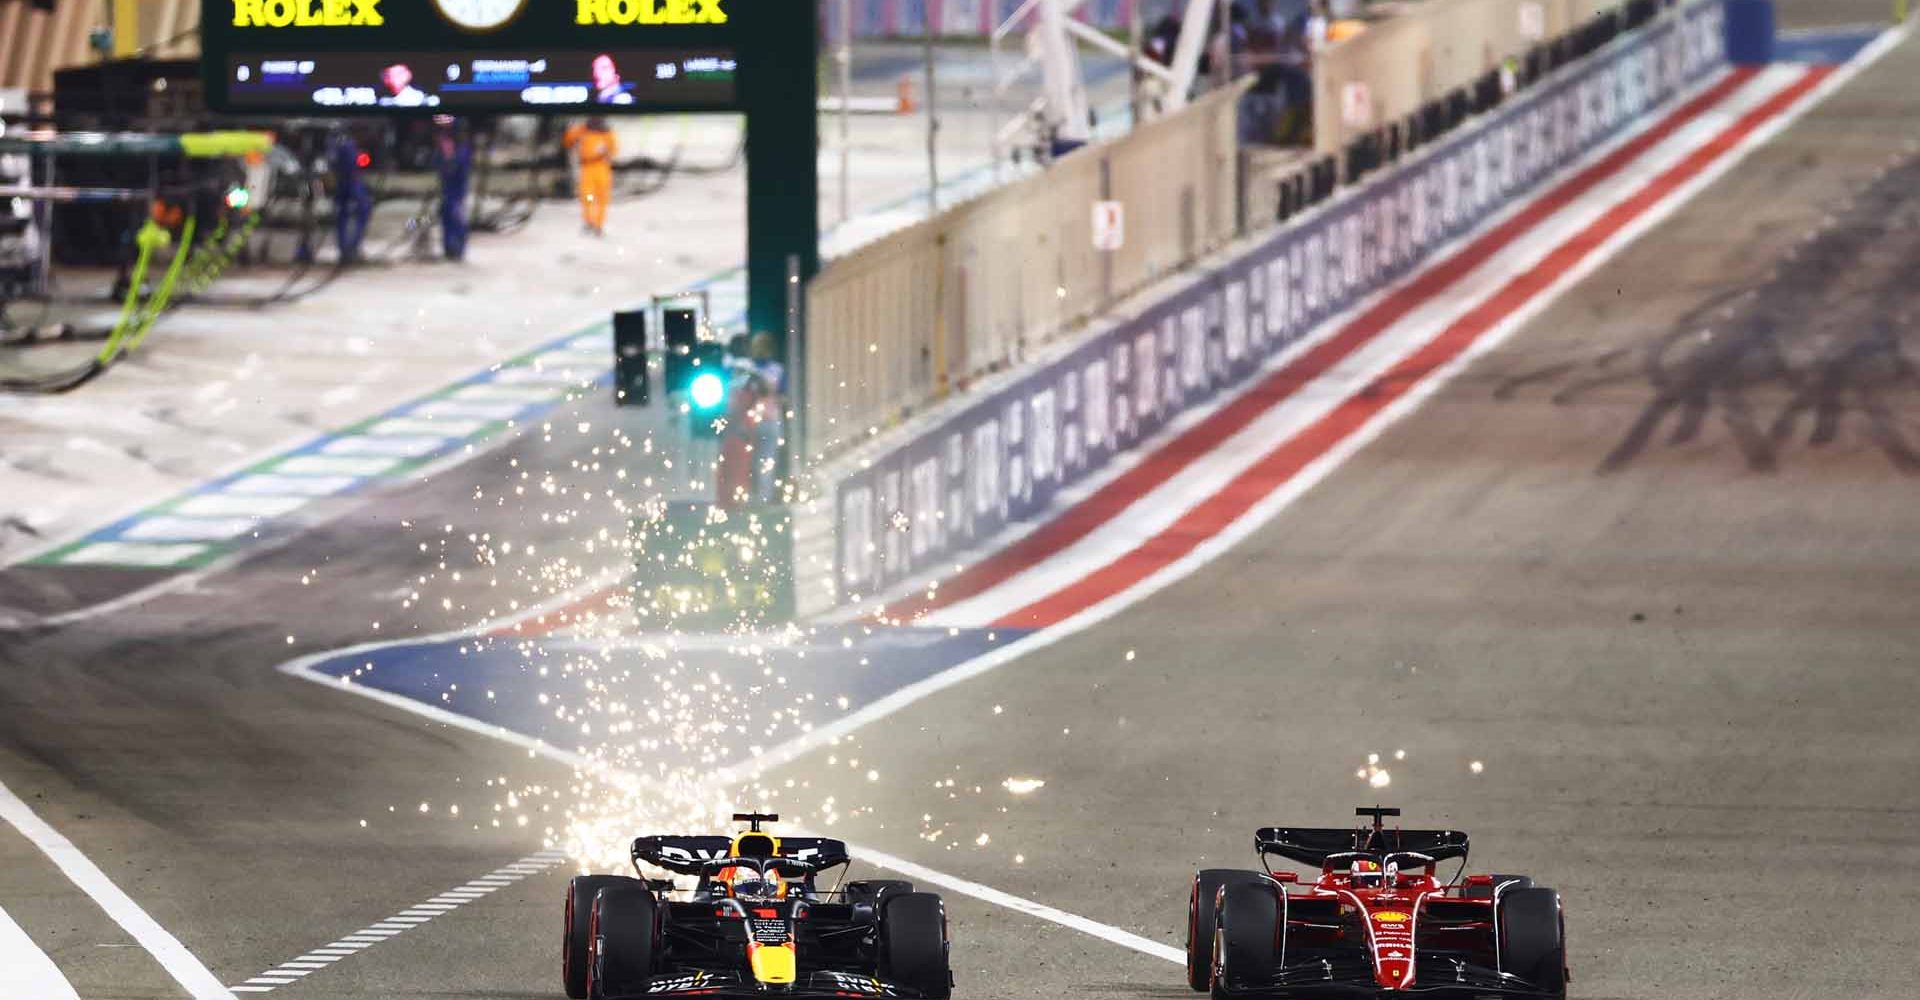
(1439, 980)
(733, 984)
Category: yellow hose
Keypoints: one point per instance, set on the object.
(151, 237)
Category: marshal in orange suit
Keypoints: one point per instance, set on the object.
(596, 147)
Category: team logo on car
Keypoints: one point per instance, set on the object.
(1391, 917)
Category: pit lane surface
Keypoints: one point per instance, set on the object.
(1721, 785)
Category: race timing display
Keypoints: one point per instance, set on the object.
(563, 58)
(473, 56)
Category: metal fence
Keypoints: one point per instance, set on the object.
(905, 321)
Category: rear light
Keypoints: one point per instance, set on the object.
(1479, 880)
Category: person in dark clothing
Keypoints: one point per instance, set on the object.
(453, 158)
(352, 201)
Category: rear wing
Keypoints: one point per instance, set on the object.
(1313, 845)
(696, 855)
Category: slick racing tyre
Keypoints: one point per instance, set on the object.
(1533, 938)
(1206, 886)
(573, 941)
(871, 891)
(620, 939)
(1246, 930)
(913, 943)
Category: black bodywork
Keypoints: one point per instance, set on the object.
(702, 946)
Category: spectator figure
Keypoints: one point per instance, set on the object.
(751, 446)
(1285, 69)
(453, 159)
(596, 148)
(352, 202)
(1319, 25)
(770, 424)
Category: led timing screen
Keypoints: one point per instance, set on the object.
(472, 56)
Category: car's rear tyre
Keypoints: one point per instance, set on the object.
(1246, 938)
(573, 939)
(1533, 938)
(872, 890)
(621, 940)
(1512, 882)
(1206, 885)
(913, 944)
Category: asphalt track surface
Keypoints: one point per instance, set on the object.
(1663, 586)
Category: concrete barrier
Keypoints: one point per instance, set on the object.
(958, 478)
(902, 322)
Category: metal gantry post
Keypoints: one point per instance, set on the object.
(933, 128)
(844, 57)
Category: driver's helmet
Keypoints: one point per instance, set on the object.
(746, 883)
(1364, 873)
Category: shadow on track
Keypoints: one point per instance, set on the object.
(1824, 338)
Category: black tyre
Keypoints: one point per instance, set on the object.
(1533, 938)
(573, 940)
(620, 939)
(1206, 885)
(1487, 891)
(913, 944)
(871, 891)
(1246, 938)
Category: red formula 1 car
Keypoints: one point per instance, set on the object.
(754, 924)
(1375, 923)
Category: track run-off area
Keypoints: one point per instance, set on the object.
(1598, 535)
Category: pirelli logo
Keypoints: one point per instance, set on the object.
(306, 13)
(650, 12)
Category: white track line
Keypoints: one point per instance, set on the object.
(988, 894)
(298, 968)
(303, 668)
(25, 970)
(164, 947)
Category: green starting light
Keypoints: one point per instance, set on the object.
(238, 198)
(707, 391)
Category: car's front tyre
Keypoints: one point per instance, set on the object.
(573, 939)
(914, 951)
(1533, 938)
(1246, 937)
(621, 939)
(1206, 886)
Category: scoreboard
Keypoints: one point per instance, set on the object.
(284, 57)
(568, 58)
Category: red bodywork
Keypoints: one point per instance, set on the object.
(1388, 908)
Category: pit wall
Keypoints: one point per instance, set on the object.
(949, 483)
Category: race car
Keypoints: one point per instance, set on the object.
(1376, 922)
(756, 923)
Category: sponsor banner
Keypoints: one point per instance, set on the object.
(1004, 458)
